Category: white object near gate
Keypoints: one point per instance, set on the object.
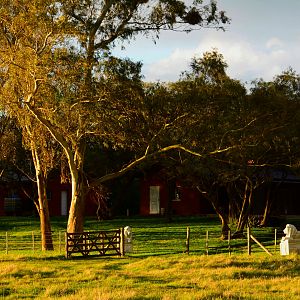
(290, 243)
(154, 199)
(127, 239)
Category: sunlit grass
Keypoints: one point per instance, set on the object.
(158, 268)
(160, 277)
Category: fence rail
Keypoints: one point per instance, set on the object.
(11, 241)
(145, 242)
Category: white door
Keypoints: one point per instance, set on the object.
(154, 199)
(64, 203)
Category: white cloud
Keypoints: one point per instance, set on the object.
(247, 61)
(169, 68)
(274, 42)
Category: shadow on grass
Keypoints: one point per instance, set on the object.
(30, 258)
(41, 274)
(267, 269)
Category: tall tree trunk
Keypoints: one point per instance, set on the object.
(225, 229)
(76, 212)
(214, 200)
(233, 205)
(43, 209)
(246, 208)
(74, 151)
(47, 243)
(242, 216)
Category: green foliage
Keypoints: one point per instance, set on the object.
(122, 20)
(235, 139)
(277, 102)
(56, 67)
(210, 69)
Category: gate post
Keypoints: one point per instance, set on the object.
(122, 244)
(66, 243)
(249, 240)
(187, 242)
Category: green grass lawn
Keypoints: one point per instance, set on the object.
(157, 269)
(151, 236)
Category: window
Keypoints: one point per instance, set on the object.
(177, 196)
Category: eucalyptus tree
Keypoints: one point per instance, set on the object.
(45, 157)
(268, 140)
(55, 51)
(220, 115)
(14, 160)
(24, 54)
(219, 122)
(278, 103)
(44, 154)
(262, 130)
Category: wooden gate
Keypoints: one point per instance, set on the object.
(98, 243)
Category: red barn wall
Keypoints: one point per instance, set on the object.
(190, 201)
(56, 188)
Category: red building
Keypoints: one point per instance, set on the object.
(157, 196)
(148, 196)
(15, 200)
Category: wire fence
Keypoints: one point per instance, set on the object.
(154, 241)
(184, 240)
(29, 241)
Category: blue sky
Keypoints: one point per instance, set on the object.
(262, 40)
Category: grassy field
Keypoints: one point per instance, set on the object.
(148, 273)
(158, 277)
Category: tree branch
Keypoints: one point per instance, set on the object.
(118, 32)
(45, 43)
(138, 161)
(56, 135)
(235, 130)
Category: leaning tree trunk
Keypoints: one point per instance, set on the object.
(42, 205)
(47, 243)
(225, 229)
(267, 209)
(246, 208)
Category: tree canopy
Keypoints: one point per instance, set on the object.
(56, 65)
